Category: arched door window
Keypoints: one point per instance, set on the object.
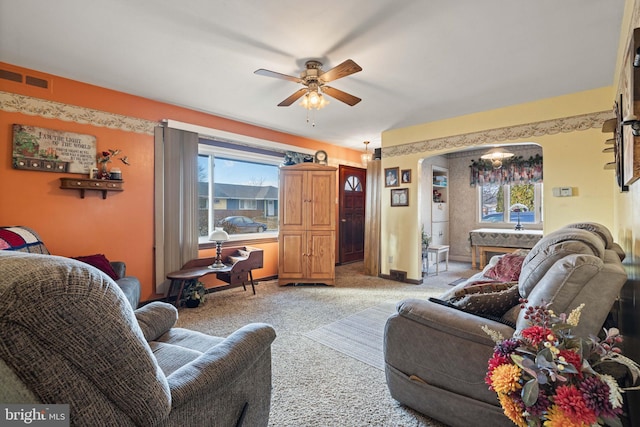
(352, 183)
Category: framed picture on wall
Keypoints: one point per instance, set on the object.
(400, 197)
(391, 177)
(405, 176)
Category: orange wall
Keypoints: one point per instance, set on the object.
(121, 226)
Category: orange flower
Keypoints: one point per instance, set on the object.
(505, 378)
(512, 410)
(557, 418)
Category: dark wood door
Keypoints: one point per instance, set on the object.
(352, 191)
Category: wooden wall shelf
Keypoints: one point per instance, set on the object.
(83, 184)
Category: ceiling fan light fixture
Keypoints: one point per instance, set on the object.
(314, 100)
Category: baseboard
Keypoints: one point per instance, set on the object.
(399, 276)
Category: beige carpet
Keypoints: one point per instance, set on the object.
(313, 384)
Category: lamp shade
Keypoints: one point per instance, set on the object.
(496, 154)
(219, 235)
(518, 207)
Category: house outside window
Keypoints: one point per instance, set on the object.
(243, 188)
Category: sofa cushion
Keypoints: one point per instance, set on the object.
(507, 268)
(100, 262)
(598, 229)
(553, 247)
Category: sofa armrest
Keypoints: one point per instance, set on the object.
(217, 368)
(119, 267)
(156, 318)
(451, 321)
(441, 346)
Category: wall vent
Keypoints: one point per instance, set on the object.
(29, 80)
(10, 75)
(398, 275)
(34, 81)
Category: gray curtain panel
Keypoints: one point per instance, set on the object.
(176, 206)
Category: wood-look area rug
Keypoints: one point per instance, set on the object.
(359, 336)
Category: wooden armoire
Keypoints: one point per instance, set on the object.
(307, 224)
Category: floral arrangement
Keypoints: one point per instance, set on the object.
(106, 157)
(545, 376)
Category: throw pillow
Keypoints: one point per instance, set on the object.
(484, 316)
(490, 301)
(483, 288)
(100, 262)
(507, 269)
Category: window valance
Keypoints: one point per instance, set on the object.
(515, 170)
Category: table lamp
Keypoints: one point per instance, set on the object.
(517, 208)
(219, 236)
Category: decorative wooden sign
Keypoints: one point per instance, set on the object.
(50, 150)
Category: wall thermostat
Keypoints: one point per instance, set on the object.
(562, 191)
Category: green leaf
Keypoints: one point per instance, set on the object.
(530, 392)
(545, 354)
(612, 422)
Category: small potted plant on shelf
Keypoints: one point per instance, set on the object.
(194, 294)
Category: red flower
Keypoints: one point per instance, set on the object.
(570, 400)
(536, 334)
(573, 358)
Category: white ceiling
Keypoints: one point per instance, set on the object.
(422, 60)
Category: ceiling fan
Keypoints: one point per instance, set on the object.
(315, 80)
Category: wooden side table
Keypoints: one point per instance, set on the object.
(181, 278)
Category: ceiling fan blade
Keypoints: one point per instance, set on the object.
(293, 98)
(341, 96)
(268, 73)
(339, 71)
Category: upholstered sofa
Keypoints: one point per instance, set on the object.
(68, 335)
(25, 239)
(436, 353)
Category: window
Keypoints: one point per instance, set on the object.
(496, 200)
(248, 205)
(352, 183)
(244, 190)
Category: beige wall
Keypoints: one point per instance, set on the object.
(568, 129)
(572, 157)
(627, 205)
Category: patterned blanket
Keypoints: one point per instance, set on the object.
(21, 239)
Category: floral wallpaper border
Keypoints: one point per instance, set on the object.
(14, 103)
(529, 130)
